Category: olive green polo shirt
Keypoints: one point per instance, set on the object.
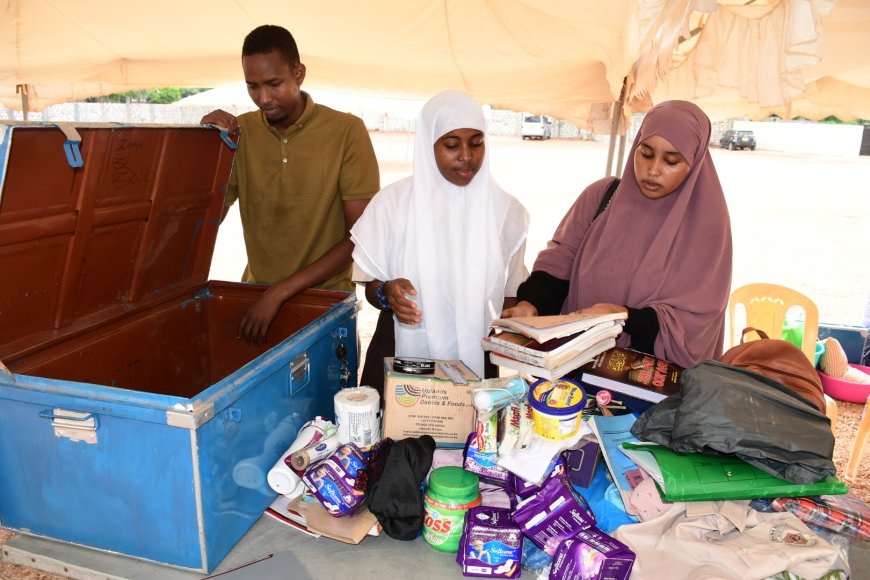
(290, 188)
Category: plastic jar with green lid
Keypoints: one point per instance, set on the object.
(451, 491)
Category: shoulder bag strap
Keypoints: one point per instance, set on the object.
(608, 195)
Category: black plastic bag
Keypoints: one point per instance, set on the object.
(723, 409)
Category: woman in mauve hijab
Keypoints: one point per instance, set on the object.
(660, 251)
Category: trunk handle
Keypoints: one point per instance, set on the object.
(299, 375)
(76, 416)
(74, 425)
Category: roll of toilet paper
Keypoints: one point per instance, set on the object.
(284, 480)
(358, 416)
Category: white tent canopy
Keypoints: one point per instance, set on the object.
(566, 58)
(790, 59)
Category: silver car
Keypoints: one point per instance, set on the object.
(535, 127)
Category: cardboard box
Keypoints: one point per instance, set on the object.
(433, 405)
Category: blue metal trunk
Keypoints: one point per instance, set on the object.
(133, 420)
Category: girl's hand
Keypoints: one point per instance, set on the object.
(523, 308)
(397, 292)
(602, 308)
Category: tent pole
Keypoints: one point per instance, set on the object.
(619, 159)
(25, 105)
(612, 143)
(614, 129)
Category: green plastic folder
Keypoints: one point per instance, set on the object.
(696, 477)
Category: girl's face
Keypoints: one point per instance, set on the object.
(658, 167)
(459, 155)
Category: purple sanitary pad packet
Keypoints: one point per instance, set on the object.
(332, 480)
(523, 489)
(491, 545)
(554, 514)
(591, 554)
(478, 460)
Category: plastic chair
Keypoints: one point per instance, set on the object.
(766, 306)
(860, 443)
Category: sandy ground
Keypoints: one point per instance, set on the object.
(797, 220)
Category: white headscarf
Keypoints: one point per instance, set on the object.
(453, 243)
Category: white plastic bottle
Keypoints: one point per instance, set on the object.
(281, 478)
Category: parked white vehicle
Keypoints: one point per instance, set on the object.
(536, 127)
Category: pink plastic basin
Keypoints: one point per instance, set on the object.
(844, 390)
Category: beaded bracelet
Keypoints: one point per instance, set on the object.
(382, 298)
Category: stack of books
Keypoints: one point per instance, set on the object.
(550, 347)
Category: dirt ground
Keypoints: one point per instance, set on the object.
(797, 220)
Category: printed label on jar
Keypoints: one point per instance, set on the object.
(439, 528)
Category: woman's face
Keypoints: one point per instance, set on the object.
(658, 167)
(459, 155)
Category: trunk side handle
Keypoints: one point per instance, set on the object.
(74, 425)
(300, 374)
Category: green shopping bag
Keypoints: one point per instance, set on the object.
(696, 477)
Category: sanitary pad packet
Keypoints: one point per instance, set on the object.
(491, 544)
(591, 554)
(554, 514)
(481, 452)
(332, 481)
(524, 489)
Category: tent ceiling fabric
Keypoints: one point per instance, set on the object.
(566, 58)
(802, 57)
(557, 55)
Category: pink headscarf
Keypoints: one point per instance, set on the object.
(672, 254)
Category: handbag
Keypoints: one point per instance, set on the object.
(781, 361)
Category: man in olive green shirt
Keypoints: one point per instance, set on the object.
(303, 174)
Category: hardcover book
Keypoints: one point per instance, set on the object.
(633, 373)
(543, 328)
(616, 403)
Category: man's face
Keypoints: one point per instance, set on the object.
(459, 155)
(273, 85)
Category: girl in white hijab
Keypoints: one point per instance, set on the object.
(435, 249)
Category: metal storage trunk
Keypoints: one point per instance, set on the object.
(131, 418)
